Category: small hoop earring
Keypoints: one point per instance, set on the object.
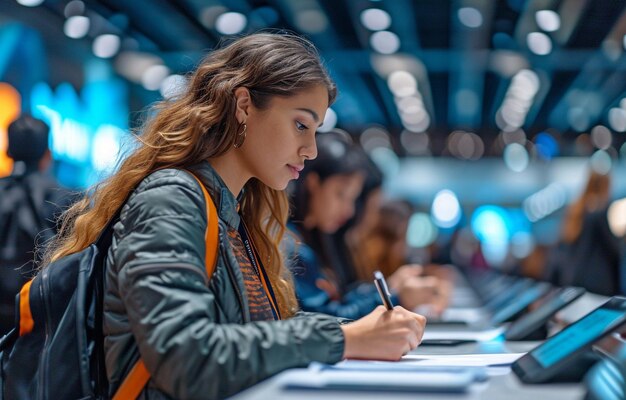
(241, 137)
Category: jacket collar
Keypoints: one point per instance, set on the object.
(225, 201)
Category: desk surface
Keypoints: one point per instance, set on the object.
(500, 386)
(503, 385)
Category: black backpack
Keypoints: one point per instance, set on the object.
(55, 351)
(22, 225)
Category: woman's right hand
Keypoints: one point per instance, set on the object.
(383, 334)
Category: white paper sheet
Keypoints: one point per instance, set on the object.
(377, 381)
(463, 334)
(469, 315)
(463, 360)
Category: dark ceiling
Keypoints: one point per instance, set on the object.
(580, 79)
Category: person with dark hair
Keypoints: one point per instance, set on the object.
(348, 237)
(323, 201)
(28, 143)
(30, 201)
(588, 253)
(245, 126)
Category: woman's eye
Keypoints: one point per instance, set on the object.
(300, 126)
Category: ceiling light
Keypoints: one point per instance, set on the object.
(385, 42)
(617, 119)
(231, 23)
(548, 20)
(30, 3)
(414, 118)
(409, 104)
(132, 65)
(172, 86)
(106, 46)
(415, 143)
(539, 43)
(154, 76)
(374, 137)
(420, 126)
(527, 80)
(446, 210)
(601, 137)
(402, 84)
(601, 162)
(470, 17)
(209, 15)
(516, 157)
(76, 27)
(330, 121)
(375, 19)
(311, 21)
(74, 7)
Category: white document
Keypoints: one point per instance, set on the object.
(463, 334)
(463, 360)
(480, 373)
(378, 381)
(469, 315)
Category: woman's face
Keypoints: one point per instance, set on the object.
(331, 202)
(281, 137)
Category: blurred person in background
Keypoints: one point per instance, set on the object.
(30, 202)
(323, 201)
(366, 206)
(588, 253)
(383, 245)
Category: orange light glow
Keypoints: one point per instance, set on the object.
(10, 101)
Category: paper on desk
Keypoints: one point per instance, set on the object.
(480, 373)
(469, 315)
(377, 381)
(458, 334)
(463, 360)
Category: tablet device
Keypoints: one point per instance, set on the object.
(536, 319)
(507, 294)
(566, 355)
(519, 303)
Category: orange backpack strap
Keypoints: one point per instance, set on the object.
(138, 376)
(211, 237)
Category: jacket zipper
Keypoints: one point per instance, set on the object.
(43, 377)
(233, 279)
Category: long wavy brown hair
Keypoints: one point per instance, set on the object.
(595, 196)
(200, 124)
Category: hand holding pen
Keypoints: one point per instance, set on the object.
(387, 333)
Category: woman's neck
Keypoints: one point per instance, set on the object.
(230, 169)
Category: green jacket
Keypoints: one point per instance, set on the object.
(196, 340)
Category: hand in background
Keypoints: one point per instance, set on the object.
(415, 291)
(403, 273)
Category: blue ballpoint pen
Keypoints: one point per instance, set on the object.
(383, 289)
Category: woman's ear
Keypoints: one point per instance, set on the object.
(243, 103)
